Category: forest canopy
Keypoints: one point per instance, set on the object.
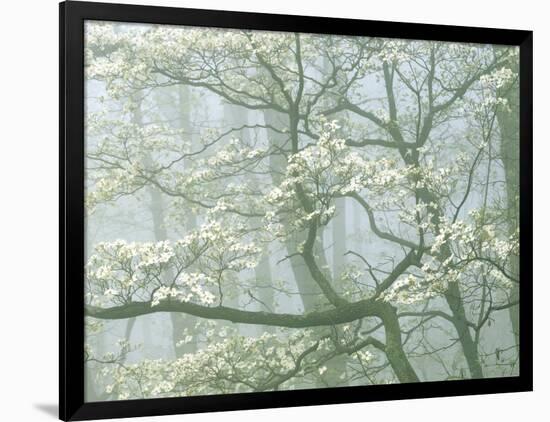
(272, 211)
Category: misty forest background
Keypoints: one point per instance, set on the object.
(270, 211)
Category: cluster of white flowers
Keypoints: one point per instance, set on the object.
(119, 181)
(364, 356)
(498, 78)
(120, 271)
(491, 84)
(457, 232)
(326, 170)
(234, 152)
(433, 178)
(231, 363)
(188, 287)
(412, 289)
(457, 248)
(394, 51)
(142, 50)
(120, 153)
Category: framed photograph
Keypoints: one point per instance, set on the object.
(267, 210)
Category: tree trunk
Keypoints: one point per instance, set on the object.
(508, 121)
(394, 346)
(337, 370)
(310, 293)
(454, 299)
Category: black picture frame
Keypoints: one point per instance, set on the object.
(71, 129)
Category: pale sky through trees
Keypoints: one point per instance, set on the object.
(275, 211)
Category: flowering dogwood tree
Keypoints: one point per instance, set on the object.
(317, 210)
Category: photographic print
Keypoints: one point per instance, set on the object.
(280, 211)
(264, 210)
